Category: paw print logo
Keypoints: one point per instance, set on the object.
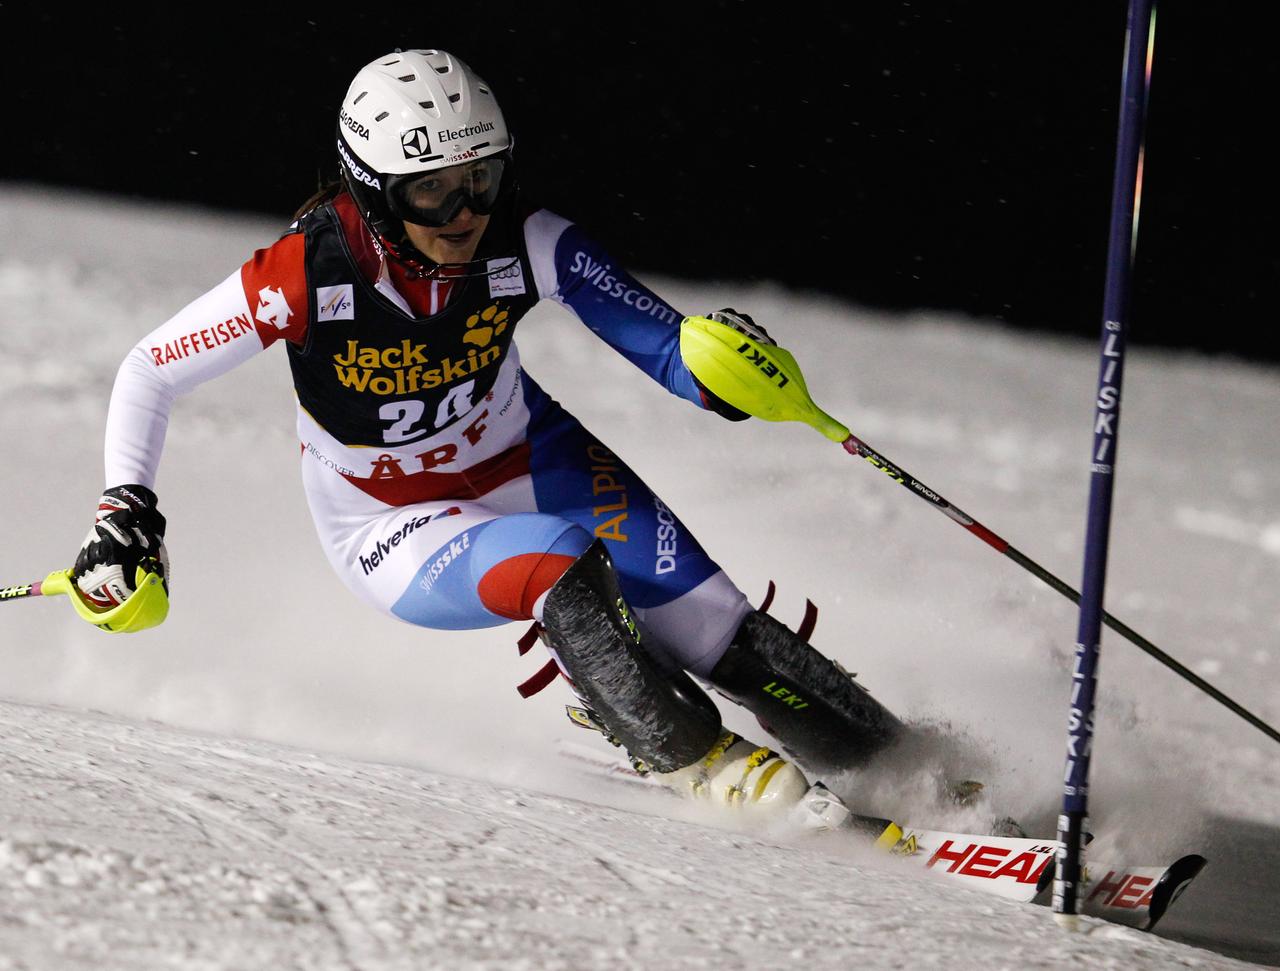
(485, 326)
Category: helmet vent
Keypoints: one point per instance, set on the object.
(408, 77)
(394, 60)
(453, 98)
(427, 104)
(359, 97)
(443, 70)
(483, 89)
(382, 115)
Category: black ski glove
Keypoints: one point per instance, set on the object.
(128, 531)
(743, 324)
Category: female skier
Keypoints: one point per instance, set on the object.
(448, 489)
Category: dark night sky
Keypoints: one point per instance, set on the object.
(906, 155)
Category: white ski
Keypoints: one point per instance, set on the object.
(1017, 868)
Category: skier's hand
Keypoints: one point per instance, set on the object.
(749, 376)
(128, 532)
(743, 324)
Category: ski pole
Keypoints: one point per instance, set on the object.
(1069, 877)
(765, 381)
(856, 446)
(147, 606)
(33, 589)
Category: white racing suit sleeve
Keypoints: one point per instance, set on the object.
(225, 327)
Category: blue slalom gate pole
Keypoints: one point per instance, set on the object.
(1125, 196)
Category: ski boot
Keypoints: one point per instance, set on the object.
(661, 718)
(824, 719)
(665, 722)
(739, 775)
(820, 714)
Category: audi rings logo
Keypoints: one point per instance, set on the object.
(506, 276)
(415, 142)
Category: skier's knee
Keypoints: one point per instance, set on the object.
(696, 628)
(526, 554)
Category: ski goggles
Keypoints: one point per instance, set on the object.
(435, 198)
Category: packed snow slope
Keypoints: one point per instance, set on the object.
(139, 846)
(281, 777)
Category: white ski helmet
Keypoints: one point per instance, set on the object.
(418, 111)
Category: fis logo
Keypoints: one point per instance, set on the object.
(335, 303)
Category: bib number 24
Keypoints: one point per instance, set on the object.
(405, 416)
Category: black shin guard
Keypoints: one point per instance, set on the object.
(664, 720)
(821, 715)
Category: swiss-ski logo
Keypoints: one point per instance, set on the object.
(448, 554)
(273, 309)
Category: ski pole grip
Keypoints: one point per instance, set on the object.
(146, 607)
(763, 380)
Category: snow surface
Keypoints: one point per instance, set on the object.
(280, 777)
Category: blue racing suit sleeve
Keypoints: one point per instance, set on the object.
(624, 313)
